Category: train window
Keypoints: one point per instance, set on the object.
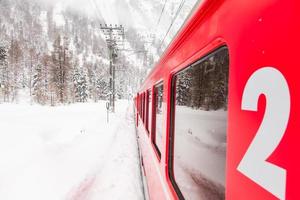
(140, 105)
(149, 111)
(157, 137)
(143, 106)
(200, 121)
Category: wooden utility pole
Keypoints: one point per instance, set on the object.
(114, 38)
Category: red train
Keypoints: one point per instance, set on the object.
(218, 116)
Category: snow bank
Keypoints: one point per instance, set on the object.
(68, 152)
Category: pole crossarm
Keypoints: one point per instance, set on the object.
(114, 36)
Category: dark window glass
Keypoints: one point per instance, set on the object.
(159, 117)
(139, 105)
(143, 105)
(200, 128)
(149, 124)
(145, 108)
(141, 112)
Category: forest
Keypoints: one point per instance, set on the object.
(53, 56)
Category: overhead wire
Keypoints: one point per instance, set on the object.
(172, 22)
(162, 11)
(158, 21)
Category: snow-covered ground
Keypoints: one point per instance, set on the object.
(68, 152)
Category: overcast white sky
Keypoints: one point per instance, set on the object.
(125, 11)
(142, 15)
(97, 8)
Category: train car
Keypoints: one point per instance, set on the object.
(217, 117)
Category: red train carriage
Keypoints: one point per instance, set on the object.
(217, 116)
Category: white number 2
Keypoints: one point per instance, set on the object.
(270, 82)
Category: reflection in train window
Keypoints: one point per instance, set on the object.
(200, 124)
(159, 118)
(149, 107)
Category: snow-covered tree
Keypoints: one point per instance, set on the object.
(80, 85)
(61, 67)
(4, 74)
(102, 88)
(15, 55)
(40, 55)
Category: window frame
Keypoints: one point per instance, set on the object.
(149, 125)
(145, 107)
(153, 133)
(172, 102)
(140, 103)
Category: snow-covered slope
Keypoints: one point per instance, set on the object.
(68, 153)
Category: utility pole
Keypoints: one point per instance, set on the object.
(114, 38)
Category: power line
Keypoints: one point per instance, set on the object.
(162, 11)
(158, 21)
(173, 20)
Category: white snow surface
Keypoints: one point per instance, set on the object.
(68, 152)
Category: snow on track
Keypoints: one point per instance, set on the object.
(68, 152)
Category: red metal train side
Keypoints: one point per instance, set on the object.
(258, 34)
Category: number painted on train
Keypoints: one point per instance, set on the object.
(270, 82)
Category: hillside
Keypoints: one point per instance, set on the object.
(55, 52)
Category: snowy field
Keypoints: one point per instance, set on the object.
(68, 153)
